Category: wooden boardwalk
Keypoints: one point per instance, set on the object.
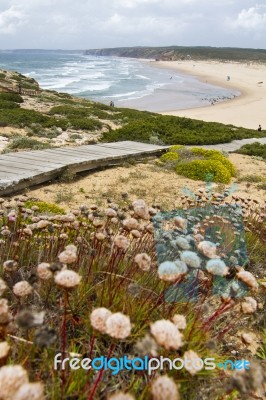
(21, 170)
(8, 88)
(232, 146)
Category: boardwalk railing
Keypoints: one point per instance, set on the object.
(16, 89)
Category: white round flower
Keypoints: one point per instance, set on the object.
(143, 261)
(99, 317)
(180, 223)
(10, 265)
(118, 326)
(69, 255)
(22, 289)
(138, 203)
(247, 278)
(100, 236)
(249, 306)
(194, 362)
(30, 391)
(42, 224)
(207, 248)
(182, 243)
(166, 334)
(12, 377)
(44, 272)
(67, 279)
(130, 223)
(4, 350)
(164, 388)
(110, 212)
(171, 270)
(217, 267)
(135, 233)
(191, 259)
(179, 321)
(121, 242)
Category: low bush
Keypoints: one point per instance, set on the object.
(70, 111)
(176, 147)
(170, 157)
(5, 104)
(254, 149)
(22, 117)
(16, 98)
(20, 143)
(171, 130)
(43, 207)
(85, 123)
(215, 155)
(202, 169)
(197, 163)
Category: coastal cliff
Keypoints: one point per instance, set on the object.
(174, 53)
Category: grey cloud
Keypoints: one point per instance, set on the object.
(105, 23)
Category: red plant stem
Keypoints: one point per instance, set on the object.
(218, 312)
(91, 345)
(64, 341)
(100, 375)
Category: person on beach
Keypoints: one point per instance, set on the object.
(259, 128)
(112, 104)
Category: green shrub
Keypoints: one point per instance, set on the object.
(215, 155)
(26, 143)
(16, 98)
(85, 123)
(70, 111)
(201, 169)
(197, 163)
(251, 178)
(22, 117)
(75, 136)
(254, 149)
(171, 129)
(44, 207)
(169, 157)
(176, 147)
(5, 104)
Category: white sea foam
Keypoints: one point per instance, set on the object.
(143, 77)
(105, 78)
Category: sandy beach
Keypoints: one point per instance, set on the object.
(246, 110)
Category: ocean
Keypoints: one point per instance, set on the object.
(127, 82)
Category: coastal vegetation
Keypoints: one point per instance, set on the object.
(25, 143)
(47, 114)
(185, 52)
(89, 283)
(89, 280)
(199, 164)
(254, 149)
(172, 130)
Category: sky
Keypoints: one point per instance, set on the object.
(88, 24)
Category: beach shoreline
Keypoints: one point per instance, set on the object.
(246, 110)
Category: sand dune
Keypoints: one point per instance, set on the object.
(247, 110)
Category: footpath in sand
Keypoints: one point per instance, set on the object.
(246, 110)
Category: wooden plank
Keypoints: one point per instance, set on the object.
(24, 169)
